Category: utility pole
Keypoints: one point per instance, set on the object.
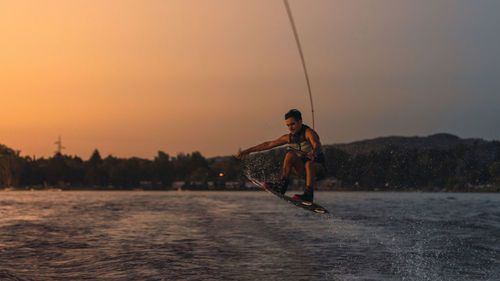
(59, 145)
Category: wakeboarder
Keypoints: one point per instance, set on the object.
(304, 155)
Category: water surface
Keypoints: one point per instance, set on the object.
(248, 236)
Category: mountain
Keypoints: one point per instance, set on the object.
(440, 141)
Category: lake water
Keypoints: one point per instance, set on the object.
(248, 236)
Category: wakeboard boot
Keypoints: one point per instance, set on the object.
(283, 185)
(280, 187)
(307, 196)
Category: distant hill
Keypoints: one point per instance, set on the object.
(440, 141)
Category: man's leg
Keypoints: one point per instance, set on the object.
(310, 174)
(312, 170)
(292, 161)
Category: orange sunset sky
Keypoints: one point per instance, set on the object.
(133, 77)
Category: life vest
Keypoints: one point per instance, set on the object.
(298, 142)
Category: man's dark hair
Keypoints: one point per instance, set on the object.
(294, 113)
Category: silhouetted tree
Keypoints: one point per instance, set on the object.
(115, 171)
(95, 175)
(10, 166)
(163, 169)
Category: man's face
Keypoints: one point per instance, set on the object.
(293, 125)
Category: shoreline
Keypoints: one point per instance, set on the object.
(13, 189)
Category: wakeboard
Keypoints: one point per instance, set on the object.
(310, 206)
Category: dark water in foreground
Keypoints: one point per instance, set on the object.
(248, 236)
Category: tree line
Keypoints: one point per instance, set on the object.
(72, 172)
(460, 168)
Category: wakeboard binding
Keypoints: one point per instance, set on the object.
(307, 197)
(279, 187)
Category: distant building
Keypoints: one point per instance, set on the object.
(178, 184)
(146, 183)
(233, 184)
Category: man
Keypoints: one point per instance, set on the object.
(304, 154)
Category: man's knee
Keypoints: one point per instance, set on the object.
(291, 157)
(315, 169)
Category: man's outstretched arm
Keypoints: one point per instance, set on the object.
(263, 146)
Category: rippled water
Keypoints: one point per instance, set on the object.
(248, 236)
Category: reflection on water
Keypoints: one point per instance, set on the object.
(247, 236)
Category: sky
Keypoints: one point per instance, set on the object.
(130, 78)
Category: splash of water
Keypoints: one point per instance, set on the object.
(263, 167)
